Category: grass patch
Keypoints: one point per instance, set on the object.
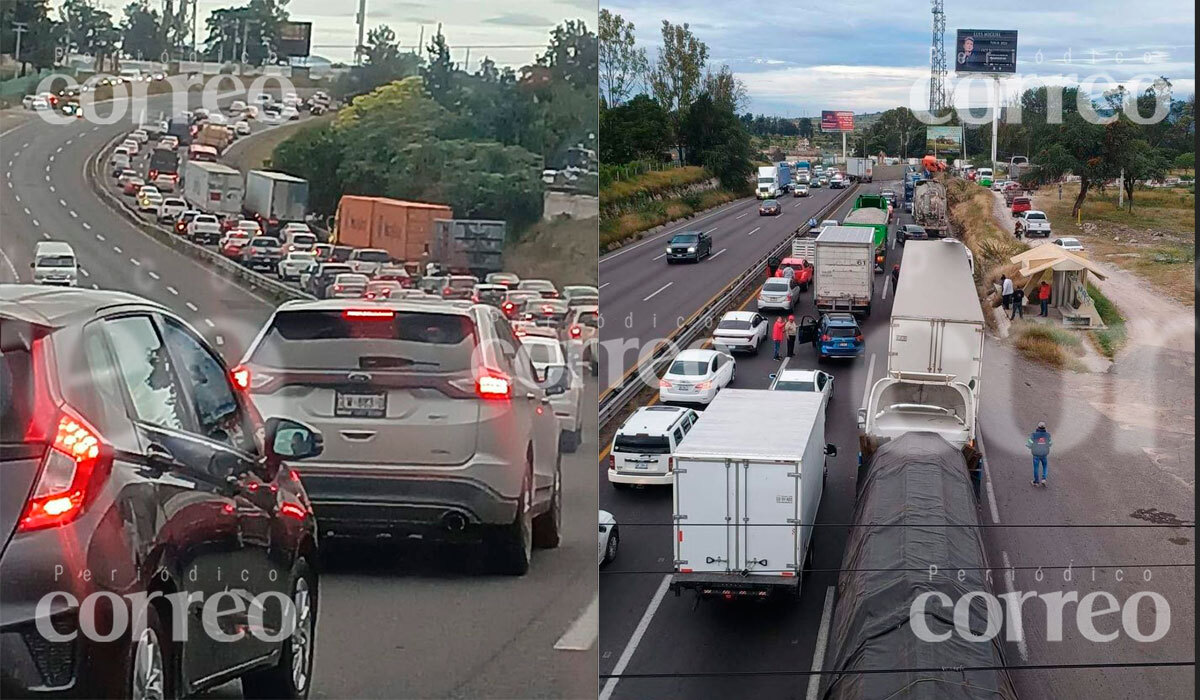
(651, 183)
(630, 225)
(1049, 345)
(1169, 209)
(1112, 338)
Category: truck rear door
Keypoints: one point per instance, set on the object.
(704, 511)
(768, 504)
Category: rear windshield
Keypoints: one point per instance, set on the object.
(419, 342)
(688, 368)
(590, 319)
(776, 286)
(16, 389)
(841, 332)
(462, 283)
(56, 261)
(1034, 215)
(264, 242)
(642, 444)
(304, 239)
(372, 255)
(795, 386)
(544, 353)
(733, 325)
(342, 254)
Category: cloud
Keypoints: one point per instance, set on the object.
(517, 19)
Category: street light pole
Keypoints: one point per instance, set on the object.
(20, 28)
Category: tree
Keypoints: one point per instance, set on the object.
(90, 30)
(141, 37)
(622, 63)
(314, 154)
(727, 90)
(247, 31)
(572, 55)
(805, 127)
(676, 77)
(439, 72)
(636, 130)
(717, 140)
(1132, 156)
(1076, 147)
(383, 62)
(1186, 161)
(41, 33)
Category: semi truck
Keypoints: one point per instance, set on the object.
(930, 208)
(784, 171)
(404, 229)
(844, 261)
(212, 188)
(935, 352)
(803, 172)
(768, 182)
(469, 246)
(871, 211)
(748, 482)
(859, 169)
(274, 199)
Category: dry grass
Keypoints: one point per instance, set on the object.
(1049, 344)
(563, 251)
(972, 217)
(652, 183)
(629, 227)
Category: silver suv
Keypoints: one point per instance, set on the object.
(434, 421)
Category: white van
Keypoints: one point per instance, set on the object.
(642, 449)
(54, 263)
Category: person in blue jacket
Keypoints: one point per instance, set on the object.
(1039, 444)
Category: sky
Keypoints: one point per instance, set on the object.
(868, 56)
(525, 24)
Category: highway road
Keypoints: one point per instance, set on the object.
(645, 298)
(643, 630)
(394, 622)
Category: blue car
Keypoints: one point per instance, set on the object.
(839, 335)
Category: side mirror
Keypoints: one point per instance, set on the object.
(862, 419)
(32, 265)
(557, 380)
(603, 529)
(831, 449)
(289, 439)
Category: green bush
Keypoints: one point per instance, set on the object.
(1113, 337)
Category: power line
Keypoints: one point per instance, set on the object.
(874, 671)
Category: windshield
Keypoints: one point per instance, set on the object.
(303, 239)
(795, 386)
(372, 255)
(462, 283)
(684, 240)
(425, 342)
(732, 325)
(687, 368)
(264, 242)
(56, 261)
(766, 180)
(642, 444)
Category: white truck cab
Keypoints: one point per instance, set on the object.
(54, 263)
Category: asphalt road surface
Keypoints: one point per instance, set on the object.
(394, 622)
(645, 298)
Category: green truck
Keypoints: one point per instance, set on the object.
(871, 211)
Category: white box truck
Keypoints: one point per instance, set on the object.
(212, 188)
(935, 350)
(748, 482)
(844, 275)
(274, 199)
(859, 169)
(768, 182)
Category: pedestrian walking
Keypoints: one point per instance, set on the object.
(1018, 304)
(1039, 444)
(777, 333)
(790, 329)
(1006, 291)
(895, 276)
(1060, 190)
(1044, 298)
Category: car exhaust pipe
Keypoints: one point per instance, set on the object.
(454, 521)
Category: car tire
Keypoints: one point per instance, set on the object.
(612, 546)
(568, 441)
(152, 657)
(547, 527)
(510, 547)
(291, 677)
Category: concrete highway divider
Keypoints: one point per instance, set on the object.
(272, 289)
(618, 396)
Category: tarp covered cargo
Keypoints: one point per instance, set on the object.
(921, 481)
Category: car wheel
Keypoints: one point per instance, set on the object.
(153, 671)
(611, 547)
(511, 546)
(547, 527)
(292, 676)
(568, 441)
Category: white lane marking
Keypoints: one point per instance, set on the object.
(172, 289)
(208, 322)
(27, 212)
(714, 228)
(62, 203)
(582, 633)
(754, 231)
(135, 262)
(100, 237)
(47, 178)
(86, 226)
(58, 150)
(68, 142)
(85, 272)
(11, 268)
(604, 285)
(797, 204)
(52, 188)
(659, 257)
(714, 255)
(987, 478)
(191, 306)
(95, 286)
(24, 145)
(814, 681)
(35, 222)
(655, 293)
(153, 274)
(611, 684)
(1022, 646)
(117, 249)
(51, 159)
(45, 235)
(867, 388)
(73, 214)
(10, 164)
(17, 197)
(887, 282)
(741, 215)
(219, 340)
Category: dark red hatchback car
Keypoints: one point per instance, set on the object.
(153, 540)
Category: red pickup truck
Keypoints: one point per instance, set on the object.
(1020, 204)
(802, 269)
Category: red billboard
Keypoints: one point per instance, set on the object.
(837, 121)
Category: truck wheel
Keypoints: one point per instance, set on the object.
(547, 527)
(510, 547)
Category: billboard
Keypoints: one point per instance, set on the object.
(985, 51)
(293, 38)
(837, 121)
(944, 140)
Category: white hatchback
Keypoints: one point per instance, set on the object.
(695, 376)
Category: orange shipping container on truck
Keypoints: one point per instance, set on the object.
(403, 229)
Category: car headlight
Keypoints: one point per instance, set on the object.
(668, 249)
(692, 249)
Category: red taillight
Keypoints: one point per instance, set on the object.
(508, 307)
(153, 174)
(612, 461)
(493, 386)
(664, 384)
(576, 331)
(66, 474)
(671, 468)
(241, 377)
(337, 287)
(825, 338)
(547, 309)
(703, 386)
(858, 338)
(446, 291)
(293, 510)
(375, 314)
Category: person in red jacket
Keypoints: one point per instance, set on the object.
(1044, 298)
(777, 335)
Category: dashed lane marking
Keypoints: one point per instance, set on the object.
(62, 203)
(172, 289)
(84, 272)
(660, 257)
(153, 274)
(220, 340)
(870, 373)
(716, 254)
(582, 633)
(191, 306)
(814, 681)
(117, 250)
(135, 262)
(604, 285)
(73, 214)
(754, 230)
(35, 222)
(208, 322)
(623, 661)
(87, 226)
(1022, 646)
(27, 212)
(741, 215)
(655, 292)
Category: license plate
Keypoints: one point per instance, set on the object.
(843, 345)
(684, 387)
(372, 405)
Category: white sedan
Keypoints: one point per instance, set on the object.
(1071, 244)
(695, 376)
(131, 146)
(778, 294)
(297, 263)
(242, 127)
(740, 330)
(609, 542)
(150, 201)
(809, 380)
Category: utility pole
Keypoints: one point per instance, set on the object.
(937, 59)
(361, 18)
(194, 4)
(995, 125)
(20, 28)
(245, 37)
(1121, 189)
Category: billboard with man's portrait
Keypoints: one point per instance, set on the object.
(985, 51)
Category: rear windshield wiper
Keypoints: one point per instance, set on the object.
(391, 362)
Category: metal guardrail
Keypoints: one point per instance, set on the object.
(614, 399)
(275, 290)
